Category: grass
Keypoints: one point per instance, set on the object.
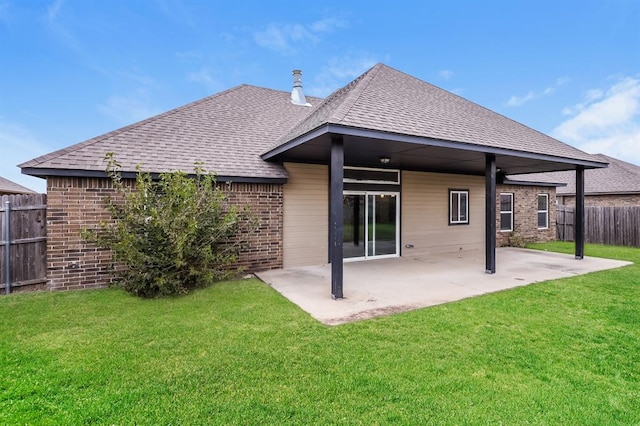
(559, 352)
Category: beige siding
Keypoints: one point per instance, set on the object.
(305, 215)
(425, 209)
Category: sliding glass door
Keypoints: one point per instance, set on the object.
(370, 224)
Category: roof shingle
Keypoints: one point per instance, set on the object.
(388, 100)
(9, 187)
(227, 132)
(619, 178)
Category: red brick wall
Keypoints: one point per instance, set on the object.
(74, 204)
(525, 216)
(77, 203)
(620, 200)
(265, 242)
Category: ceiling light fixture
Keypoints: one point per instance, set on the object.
(385, 160)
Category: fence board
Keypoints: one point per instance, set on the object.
(603, 225)
(28, 242)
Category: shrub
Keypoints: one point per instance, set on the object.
(169, 235)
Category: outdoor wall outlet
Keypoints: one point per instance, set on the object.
(409, 246)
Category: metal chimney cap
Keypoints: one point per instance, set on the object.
(297, 95)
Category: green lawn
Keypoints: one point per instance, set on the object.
(559, 352)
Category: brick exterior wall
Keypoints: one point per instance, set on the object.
(77, 203)
(265, 243)
(525, 216)
(618, 200)
(74, 204)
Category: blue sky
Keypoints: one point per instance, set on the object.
(74, 69)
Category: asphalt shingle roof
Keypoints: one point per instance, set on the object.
(388, 100)
(227, 131)
(619, 178)
(9, 187)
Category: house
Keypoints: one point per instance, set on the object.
(388, 165)
(615, 186)
(8, 187)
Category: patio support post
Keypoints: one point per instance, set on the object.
(579, 229)
(336, 188)
(490, 213)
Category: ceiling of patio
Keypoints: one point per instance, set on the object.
(366, 152)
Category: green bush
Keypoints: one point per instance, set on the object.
(169, 235)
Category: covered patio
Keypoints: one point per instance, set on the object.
(386, 286)
(390, 120)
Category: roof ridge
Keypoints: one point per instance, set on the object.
(337, 95)
(360, 84)
(626, 166)
(97, 139)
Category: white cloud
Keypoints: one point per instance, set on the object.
(590, 96)
(19, 145)
(206, 77)
(521, 100)
(287, 38)
(177, 11)
(189, 55)
(328, 25)
(606, 121)
(594, 95)
(446, 74)
(284, 38)
(129, 108)
(4, 11)
(338, 72)
(62, 29)
(136, 104)
(53, 10)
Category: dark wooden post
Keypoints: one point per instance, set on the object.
(490, 213)
(336, 188)
(579, 219)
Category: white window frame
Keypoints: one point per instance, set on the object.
(545, 211)
(509, 194)
(458, 193)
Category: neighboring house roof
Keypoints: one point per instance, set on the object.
(619, 178)
(10, 187)
(227, 132)
(234, 131)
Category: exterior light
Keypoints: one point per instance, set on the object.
(385, 160)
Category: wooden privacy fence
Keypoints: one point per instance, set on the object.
(23, 244)
(618, 226)
(565, 219)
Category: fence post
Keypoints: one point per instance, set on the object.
(7, 247)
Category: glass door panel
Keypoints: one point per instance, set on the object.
(353, 241)
(371, 225)
(384, 232)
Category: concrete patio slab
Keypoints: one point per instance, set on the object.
(384, 286)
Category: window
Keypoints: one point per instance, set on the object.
(377, 176)
(543, 211)
(458, 206)
(506, 212)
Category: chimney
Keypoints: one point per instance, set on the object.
(297, 95)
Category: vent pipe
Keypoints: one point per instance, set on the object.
(297, 95)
